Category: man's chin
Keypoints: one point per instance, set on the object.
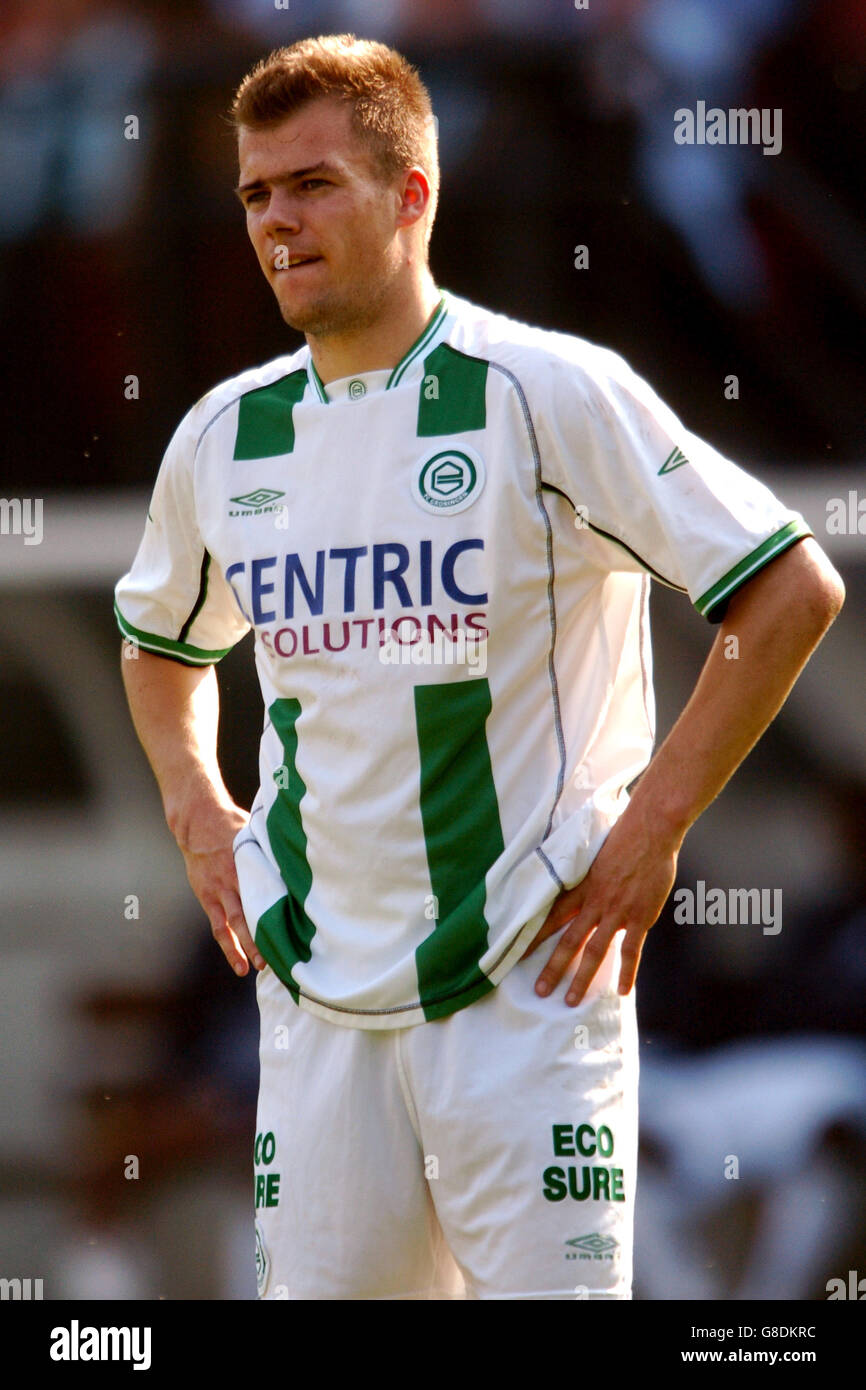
(306, 318)
(332, 316)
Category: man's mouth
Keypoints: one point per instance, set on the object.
(281, 262)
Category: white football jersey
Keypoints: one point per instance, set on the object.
(447, 567)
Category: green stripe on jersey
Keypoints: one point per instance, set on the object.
(200, 600)
(318, 383)
(164, 646)
(284, 932)
(462, 837)
(424, 337)
(459, 400)
(265, 423)
(767, 551)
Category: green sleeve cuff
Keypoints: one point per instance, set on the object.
(713, 604)
(164, 646)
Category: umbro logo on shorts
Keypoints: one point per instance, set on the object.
(262, 1262)
(594, 1247)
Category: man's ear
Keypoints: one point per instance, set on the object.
(414, 191)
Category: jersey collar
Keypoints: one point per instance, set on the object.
(409, 367)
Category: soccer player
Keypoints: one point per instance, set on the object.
(441, 525)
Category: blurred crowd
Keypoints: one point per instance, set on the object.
(122, 250)
(127, 289)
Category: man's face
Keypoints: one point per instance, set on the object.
(309, 185)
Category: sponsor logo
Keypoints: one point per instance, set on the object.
(449, 481)
(594, 1182)
(593, 1247)
(267, 1184)
(357, 389)
(255, 503)
(675, 459)
(352, 578)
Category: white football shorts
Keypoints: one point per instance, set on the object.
(489, 1154)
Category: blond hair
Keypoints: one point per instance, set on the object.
(391, 110)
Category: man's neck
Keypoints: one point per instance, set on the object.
(382, 344)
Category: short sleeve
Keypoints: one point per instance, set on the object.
(175, 601)
(669, 502)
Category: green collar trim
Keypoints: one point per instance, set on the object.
(421, 342)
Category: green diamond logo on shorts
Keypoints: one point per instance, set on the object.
(594, 1244)
(449, 480)
(260, 498)
(262, 1262)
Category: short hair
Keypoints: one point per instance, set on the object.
(392, 113)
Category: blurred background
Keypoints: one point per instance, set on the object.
(734, 281)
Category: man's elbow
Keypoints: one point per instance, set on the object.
(821, 590)
(800, 589)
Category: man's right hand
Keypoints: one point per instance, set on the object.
(175, 709)
(210, 868)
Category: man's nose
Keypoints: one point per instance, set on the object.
(282, 213)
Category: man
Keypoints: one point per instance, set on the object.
(441, 525)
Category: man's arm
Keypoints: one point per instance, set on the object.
(175, 709)
(778, 618)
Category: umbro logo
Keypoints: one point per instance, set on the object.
(262, 499)
(592, 1247)
(675, 459)
(259, 498)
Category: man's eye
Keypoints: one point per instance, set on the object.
(251, 197)
(308, 183)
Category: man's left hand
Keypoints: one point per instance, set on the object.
(625, 890)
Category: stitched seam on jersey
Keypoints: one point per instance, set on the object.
(551, 603)
(608, 535)
(418, 1004)
(644, 621)
(408, 1008)
(547, 864)
(200, 600)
